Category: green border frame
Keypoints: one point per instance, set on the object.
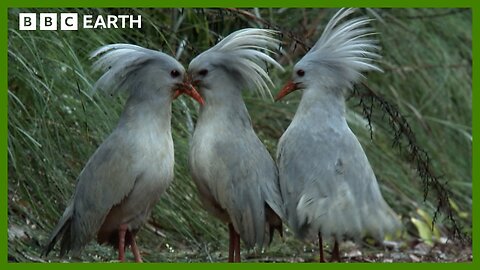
(227, 3)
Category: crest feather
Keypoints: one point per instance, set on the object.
(345, 50)
(121, 64)
(245, 53)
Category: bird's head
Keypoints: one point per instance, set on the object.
(142, 72)
(208, 72)
(239, 60)
(338, 58)
(300, 79)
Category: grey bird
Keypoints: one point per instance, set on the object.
(327, 183)
(236, 177)
(126, 175)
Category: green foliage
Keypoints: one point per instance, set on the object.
(55, 123)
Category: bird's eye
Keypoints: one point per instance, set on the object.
(203, 72)
(175, 73)
(300, 72)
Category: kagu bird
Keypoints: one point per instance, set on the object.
(126, 175)
(327, 183)
(235, 175)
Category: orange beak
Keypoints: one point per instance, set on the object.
(287, 89)
(187, 88)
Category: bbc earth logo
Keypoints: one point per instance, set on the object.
(72, 21)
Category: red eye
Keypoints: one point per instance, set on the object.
(175, 73)
(203, 72)
(300, 72)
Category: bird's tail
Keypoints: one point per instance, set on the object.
(345, 50)
(62, 229)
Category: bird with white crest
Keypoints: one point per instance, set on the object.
(124, 178)
(327, 183)
(236, 177)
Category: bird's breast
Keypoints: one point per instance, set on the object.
(154, 155)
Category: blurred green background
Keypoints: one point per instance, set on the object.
(55, 123)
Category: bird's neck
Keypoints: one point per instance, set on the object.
(224, 105)
(143, 113)
(324, 103)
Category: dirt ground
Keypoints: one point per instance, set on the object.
(26, 246)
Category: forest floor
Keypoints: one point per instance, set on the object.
(25, 246)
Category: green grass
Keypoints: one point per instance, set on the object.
(55, 123)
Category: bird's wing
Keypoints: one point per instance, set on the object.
(269, 182)
(268, 177)
(330, 187)
(376, 216)
(105, 181)
(291, 175)
(243, 194)
(232, 182)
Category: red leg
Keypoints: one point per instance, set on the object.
(320, 248)
(231, 247)
(335, 252)
(122, 231)
(135, 250)
(237, 247)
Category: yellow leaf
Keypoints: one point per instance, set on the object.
(455, 207)
(423, 230)
(427, 219)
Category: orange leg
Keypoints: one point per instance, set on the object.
(320, 248)
(335, 252)
(122, 231)
(135, 250)
(231, 247)
(237, 247)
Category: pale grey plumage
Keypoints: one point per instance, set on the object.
(326, 180)
(128, 172)
(236, 177)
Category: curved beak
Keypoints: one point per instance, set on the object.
(187, 88)
(289, 87)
